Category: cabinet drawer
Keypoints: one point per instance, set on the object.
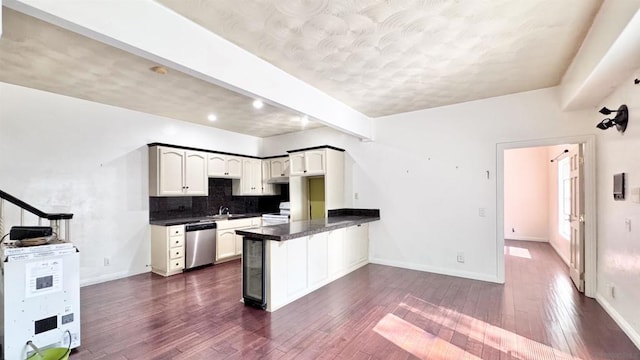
(176, 253)
(175, 230)
(176, 241)
(177, 264)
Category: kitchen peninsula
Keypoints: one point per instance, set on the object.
(282, 263)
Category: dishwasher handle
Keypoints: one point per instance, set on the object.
(200, 226)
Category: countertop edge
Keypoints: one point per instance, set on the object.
(195, 220)
(338, 225)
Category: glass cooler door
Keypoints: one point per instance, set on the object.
(253, 274)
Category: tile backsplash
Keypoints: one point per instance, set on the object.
(166, 208)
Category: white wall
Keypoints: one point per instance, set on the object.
(526, 188)
(619, 249)
(427, 172)
(62, 154)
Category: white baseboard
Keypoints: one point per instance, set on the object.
(437, 270)
(525, 238)
(624, 325)
(564, 258)
(109, 277)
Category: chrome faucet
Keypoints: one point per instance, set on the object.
(222, 209)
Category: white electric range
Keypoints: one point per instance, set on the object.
(281, 217)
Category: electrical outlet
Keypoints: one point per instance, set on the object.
(461, 257)
(107, 261)
(355, 196)
(482, 212)
(627, 224)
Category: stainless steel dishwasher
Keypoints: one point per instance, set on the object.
(200, 247)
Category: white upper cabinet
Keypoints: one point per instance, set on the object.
(307, 163)
(279, 167)
(267, 188)
(224, 166)
(170, 165)
(195, 173)
(250, 182)
(315, 161)
(177, 172)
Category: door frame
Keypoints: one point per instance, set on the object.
(590, 235)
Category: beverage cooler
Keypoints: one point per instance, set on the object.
(253, 273)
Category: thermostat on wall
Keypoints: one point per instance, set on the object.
(618, 186)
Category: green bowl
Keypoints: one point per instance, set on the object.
(51, 354)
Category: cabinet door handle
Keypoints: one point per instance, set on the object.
(177, 241)
(305, 171)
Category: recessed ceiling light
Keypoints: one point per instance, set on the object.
(159, 69)
(258, 104)
(212, 117)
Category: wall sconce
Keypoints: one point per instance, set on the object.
(620, 121)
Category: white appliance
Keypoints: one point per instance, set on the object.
(39, 298)
(281, 217)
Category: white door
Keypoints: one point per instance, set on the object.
(226, 244)
(576, 263)
(267, 189)
(234, 167)
(297, 164)
(314, 162)
(195, 173)
(217, 165)
(171, 172)
(277, 168)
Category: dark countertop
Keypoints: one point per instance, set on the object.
(297, 229)
(192, 220)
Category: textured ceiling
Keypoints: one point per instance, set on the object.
(39, 55)
(387, 57)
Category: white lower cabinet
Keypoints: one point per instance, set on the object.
(318, 258)
(356, 245)
(299, 266)
(296, 254)
(228, 244)
(335, 247)
(167, 249)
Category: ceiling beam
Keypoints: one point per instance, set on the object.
(609, 54)
(148, 29)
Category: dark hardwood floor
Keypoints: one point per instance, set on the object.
(377, 312)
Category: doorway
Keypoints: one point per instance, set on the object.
(586, 224)
(316, 198)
